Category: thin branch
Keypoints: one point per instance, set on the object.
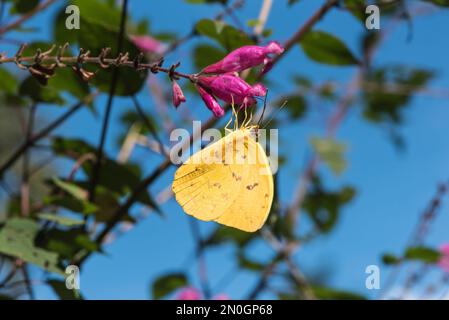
(202, 267)
(112, 89)
(44, 133)
(263, 281)
(306, 27)
(263, 17)
(25, 185)
(420, 232)
(121, 60)
(148, 124)
(15, 24)
(27, 281)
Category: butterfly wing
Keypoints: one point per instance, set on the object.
(205, 184)
(250, 209)
(229, 182)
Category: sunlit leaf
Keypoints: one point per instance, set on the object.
(229, 37)
(325, 48)
(62, 220)
(424, 254)
(331, 152)
(17, 239)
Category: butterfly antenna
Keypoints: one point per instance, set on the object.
(249, 120)
(246, 117)
(229, 122)
(236, 121)
(274, 115)
(264, 108)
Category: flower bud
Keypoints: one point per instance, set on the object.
(210, 102)
(245, 57)
(148, 44)
(232, 89)
(178, 95)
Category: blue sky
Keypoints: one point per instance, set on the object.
(393, 187)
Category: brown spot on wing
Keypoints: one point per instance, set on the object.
(236, 177)
(252, 186)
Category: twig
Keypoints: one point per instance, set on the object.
(418, 236)
(128, 144)
(121, 60)
(26, 17)
(262, 283)
(263, 17)
(202, 267)
(308, 25)
(112, 89)
(148, 124)
(25, 186)
(27, 281)
(44, 133)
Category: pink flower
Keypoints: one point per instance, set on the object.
(148, 44)
(245, 57)
(232, 89)
(188, 293)
(444, 260)
(178, 95)
(210, 102)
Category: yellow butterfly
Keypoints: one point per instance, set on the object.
(229, 182)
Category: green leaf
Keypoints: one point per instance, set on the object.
(296, 106)
(8, 82)
(70, 203)
(107, 203)
(60, 288)
(17, 239)
(99, 12)
(23, 6)
(390, 259)
(31, 88)
(331, 152)
(324, 207)
(67, 243)
(389, 90)
(228, 36)
(66, 80)
(204, 55)
(114, 176)
(72, 148)
(168, 283)
(71, 188)
(64, 221)
(424, 254)
(356, 8)
(325, 48)
(100, 29)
